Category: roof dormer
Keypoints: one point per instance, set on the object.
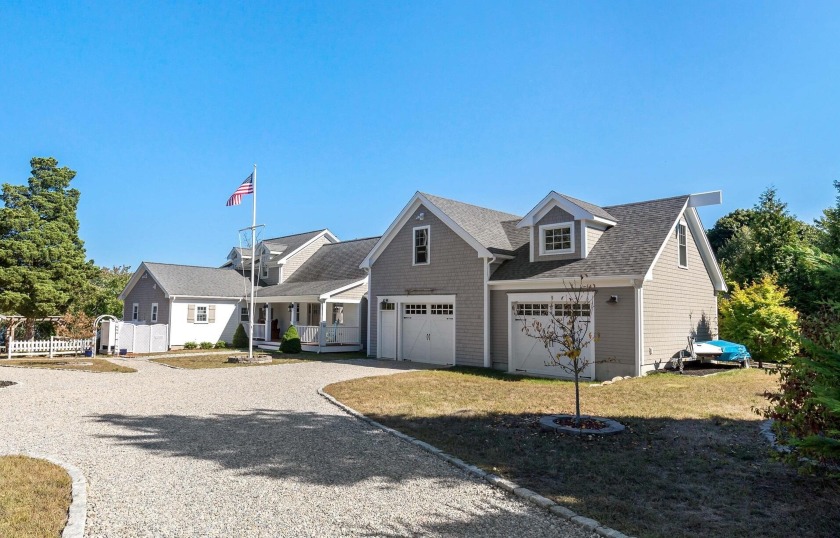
(563, 227)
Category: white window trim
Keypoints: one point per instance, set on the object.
(206, 313)
(246, 314)
(135, 312)
(428, 245)
(153, 315)
(544, 227)
(684, 227)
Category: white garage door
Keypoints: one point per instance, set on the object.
(388, 332)
(428, 333)
(529, 355)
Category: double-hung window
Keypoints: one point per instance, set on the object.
(154, 316)
(135, 312)
(421, 245)
(201, 313)
(557, 238)
(682, 245)
(243, 314)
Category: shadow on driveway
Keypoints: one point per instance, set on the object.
(319, 449)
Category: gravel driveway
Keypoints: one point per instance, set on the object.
(246, 452)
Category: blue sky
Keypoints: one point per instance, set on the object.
(348, 108)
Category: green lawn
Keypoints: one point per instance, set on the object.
(220, 361)
(691, 463)
(34, 497)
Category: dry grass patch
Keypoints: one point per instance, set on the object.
(80, 364)
(34, 497)
(691, 463)
(220, 361)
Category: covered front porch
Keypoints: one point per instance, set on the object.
(324, 326)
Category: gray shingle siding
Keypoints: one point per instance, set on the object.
(144, 293)
(556, 216)
(454, 268)
(678, 303)
(614, 323)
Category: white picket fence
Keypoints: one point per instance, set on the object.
(52, 347)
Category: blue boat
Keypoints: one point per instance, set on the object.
(721, 350)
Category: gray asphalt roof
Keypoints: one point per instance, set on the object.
(495, 230)
(592, 208)
(333, 266)
(289, 243)
(194, 281)
(628, 248)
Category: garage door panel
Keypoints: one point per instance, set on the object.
(529, 354)
(415, 338)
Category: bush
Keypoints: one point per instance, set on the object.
(206, 345)
(806, 410)
(221, 344)
(190, 345)
(291, 341)
(757, 316)
(240, 337)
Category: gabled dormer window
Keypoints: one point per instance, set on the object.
(557, 238)
(421, 246)
(682, 245)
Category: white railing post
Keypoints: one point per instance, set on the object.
(322, 335)
(51, 347)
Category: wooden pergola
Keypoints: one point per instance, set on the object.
(13, 322)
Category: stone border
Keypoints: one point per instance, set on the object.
(547, 424)
(77, 513)
(497, 481)
(766, 430)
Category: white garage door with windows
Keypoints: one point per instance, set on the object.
(418, 329)
(528, 355)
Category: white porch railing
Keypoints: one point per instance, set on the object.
(259, 331)
(308, 333)
(333, 334)
(51, 347)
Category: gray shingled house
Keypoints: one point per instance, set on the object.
(450, 283)
(312, 280)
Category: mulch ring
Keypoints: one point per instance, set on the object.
(6, 384)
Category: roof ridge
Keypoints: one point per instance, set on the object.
(294, 235)
(427, 194)
(648, 201)
(183, 265)
(352, 240)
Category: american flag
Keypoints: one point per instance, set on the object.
(247, 187)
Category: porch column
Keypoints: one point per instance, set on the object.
(267, 322)
(323, 311)
(294, 320)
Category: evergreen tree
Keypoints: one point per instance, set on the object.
(828, 227)
(43, 265)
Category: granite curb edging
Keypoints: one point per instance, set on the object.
(77, 513)
(494, 480)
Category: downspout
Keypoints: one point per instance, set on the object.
(487, 262)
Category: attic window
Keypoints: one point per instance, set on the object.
(557, 238)
(421, 246)
(682, 244)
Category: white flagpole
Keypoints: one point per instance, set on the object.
(253, 266)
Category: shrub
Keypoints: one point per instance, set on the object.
(206, 345)
(291, 341)
(221, 344)
(806, 410)
(190, 345)
(240, 337)
(757, 316)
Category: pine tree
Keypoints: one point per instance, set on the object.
(43, 264)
